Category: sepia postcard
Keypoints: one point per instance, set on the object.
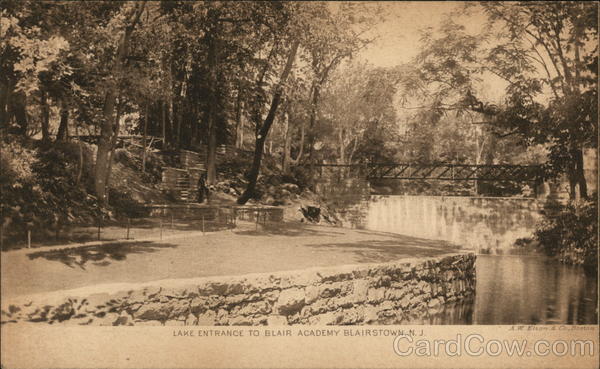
(269, 184)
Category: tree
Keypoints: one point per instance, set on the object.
(358, 110)
(264, 129)
(546, 53)
(31, 55)
(335, 35)
(562, 40)
(109, 128)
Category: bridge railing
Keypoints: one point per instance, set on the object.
(444, 171)
(456, 172)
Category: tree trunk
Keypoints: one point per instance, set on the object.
(322, 77)
(193, 126)
(144, 138)
(63, 128)
(4, 104)
(211, 148)
(163, 123)
(211, 167)
(80, 169)
(20, 112)
(264, 129)
(171, 114)
(104, 146)
(287, 145)
(171, 124)
(301, 144)
(242, 124)
(578, 184)
(101, 169)
(113, 145)
(480, 146)
(342, 145)
(238, 116)
(179, 118)
(353, 150)
(313, 119)
(45, 116)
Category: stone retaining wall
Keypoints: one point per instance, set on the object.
(218, 213)
(265, 214)
(350, 294)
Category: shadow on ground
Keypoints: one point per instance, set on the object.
(289, 229)
(99, 255)
(377, 251)
(114, 230)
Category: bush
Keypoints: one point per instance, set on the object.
(39, 188)
(125, 206)
(503, 188)
(299, 176)
(133, 160)
(570, 232)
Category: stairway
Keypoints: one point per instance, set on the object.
(188, 166)
(181, 183)
(184, 187)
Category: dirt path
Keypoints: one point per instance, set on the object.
(231, 252)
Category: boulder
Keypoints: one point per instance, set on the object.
(329, 318)
(148, 322)
(360, 290)
(191, 320)
(240, 320)
(293, 188)
(311, 213)
(124, 319)
(376, 295)
(107, 320)
(277, 320)
(290, 301)
(208, 318)
(163, 311)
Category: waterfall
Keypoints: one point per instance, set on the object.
(472, 223)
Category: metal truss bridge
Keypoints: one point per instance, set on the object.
(447, 172)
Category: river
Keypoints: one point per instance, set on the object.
(525, 289)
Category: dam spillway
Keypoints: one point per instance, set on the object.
(485, 224)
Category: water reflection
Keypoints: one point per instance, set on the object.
(522, 289)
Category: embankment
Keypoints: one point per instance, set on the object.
(349, 294)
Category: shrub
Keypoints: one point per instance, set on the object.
(125, 206)
(39, 188)
(299, 176)
(133, 160)
(570, 232)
